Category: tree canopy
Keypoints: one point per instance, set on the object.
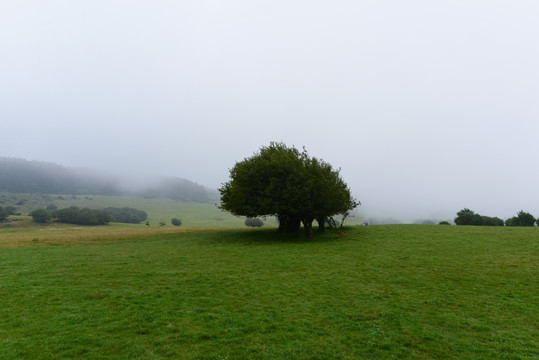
(287, 183)
(468, 217)
(522, 219)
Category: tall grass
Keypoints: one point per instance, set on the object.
(376, 292)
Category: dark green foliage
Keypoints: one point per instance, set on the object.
(175, 221)
(444, 223)
(40, 215)
(51, 207)
(468, 217)
(522, 219)
(84, 216)
(126, 215)
(11, 210)
(3, 214)
(286, 183)
(254, 222)
(491, 221)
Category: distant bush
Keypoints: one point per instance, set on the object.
(11, 210)
(175, 221)
(51, 207)
(468, 217)
(40, 215)
(126, 215)
(3, 214)
(444, 223)
(254, 222)
(491, 221)
(84, 216)
(522, 219)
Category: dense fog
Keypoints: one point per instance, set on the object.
(427, 107)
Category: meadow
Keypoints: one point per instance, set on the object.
(192, 214)
(374, 292)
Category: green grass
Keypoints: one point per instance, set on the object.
(192, 214)
(376, 292)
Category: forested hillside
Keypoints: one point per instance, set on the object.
(23, 176)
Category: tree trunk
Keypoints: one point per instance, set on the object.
(308, 226)
(321, 224)
(282, 223)
(289, 223)
(293, 224)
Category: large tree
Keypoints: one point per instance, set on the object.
(285, 182)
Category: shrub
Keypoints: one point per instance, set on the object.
(175, 221)
(254, 222)
(11, 210)
(468, 217)
(444, 223)
(522, 219)
(84, 216)
(40, 215)
(3, 214)
(51, 207)
(126, 215)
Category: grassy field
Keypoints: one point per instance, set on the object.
(375, 292)
(192, 214)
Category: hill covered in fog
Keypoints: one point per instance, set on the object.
(23, 176)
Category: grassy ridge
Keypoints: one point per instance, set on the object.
(408, 291)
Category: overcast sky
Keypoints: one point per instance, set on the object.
(427, 106)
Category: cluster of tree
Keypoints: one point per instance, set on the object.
(81, 216)
(85, 216)
(522, 219)
(23, 176)
(289, 184)
(126, 215)
(3, 214)
(468, 217)
(6, 211)
(178, 189)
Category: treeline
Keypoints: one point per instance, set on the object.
(126, 215)
(23, 176)
(177, 189)
(469, 217)
(85, 216)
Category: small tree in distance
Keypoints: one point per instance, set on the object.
(254, 222)
(3, 214)
(40, 215)
(175, 221)
(522, 219)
